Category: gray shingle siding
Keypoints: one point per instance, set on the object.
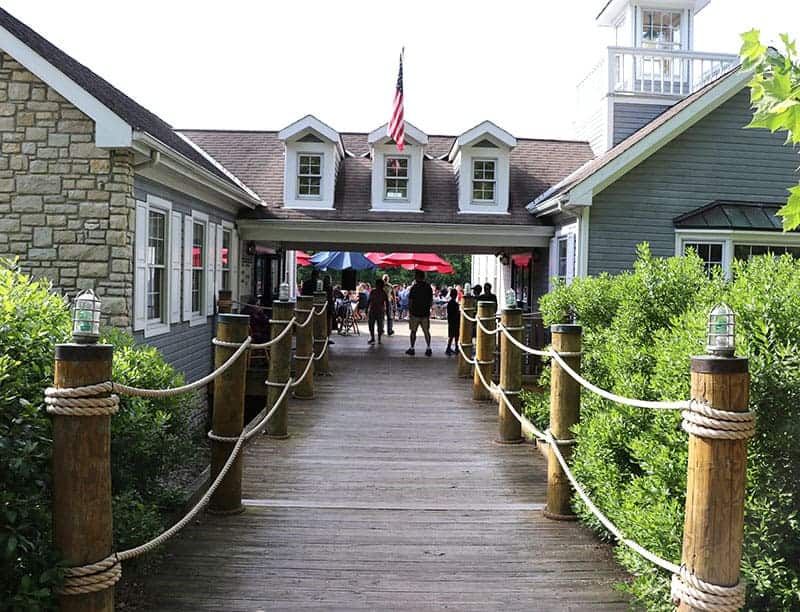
(716, 159)
(186, 348)
(630, 117)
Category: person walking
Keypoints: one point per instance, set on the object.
(377, 305)
(453, 322)
(387, 287)
(309, 285)
(420, 301)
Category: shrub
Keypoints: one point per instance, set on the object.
(640, 330)
(149, 440)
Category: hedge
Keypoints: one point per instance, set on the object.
(640, 330)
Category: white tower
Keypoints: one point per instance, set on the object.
(648, 66)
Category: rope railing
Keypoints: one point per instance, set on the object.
(302, 377)
(323, 351)
(685, 586)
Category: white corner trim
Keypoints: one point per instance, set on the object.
(111, 131)
(310, 122)
(157, 202)
(583, 243)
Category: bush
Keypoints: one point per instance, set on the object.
(640, 330)
(149, 440)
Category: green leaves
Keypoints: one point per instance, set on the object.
(775, 98)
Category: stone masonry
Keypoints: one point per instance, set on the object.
(66, 207)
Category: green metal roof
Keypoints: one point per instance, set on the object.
(733, 215)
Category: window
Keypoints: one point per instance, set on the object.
(709, 252)
(563, 257)
(156, 265)
(483, 180)
(744, 252)
(225, 259)
(309, 176)
(396, 178)
(661, 29)
(198, 269)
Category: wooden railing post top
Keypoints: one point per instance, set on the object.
(511, 312)
(84, 352)
(233, 319)
(283, 304)
(305, 300)
(468, 302)
(711, 364)
(486, 307)
(320, 294)
(567, 328)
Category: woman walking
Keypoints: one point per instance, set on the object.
(377, 306)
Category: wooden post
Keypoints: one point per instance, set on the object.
(715, 485)
(280, 360)
(465, 336)
(82, 473)
(224, 301)
(484, 351)
(320, 332)
(228, 416)
(565, 404)
(304, 347)
(510, 429)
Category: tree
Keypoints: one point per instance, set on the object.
(775, 97)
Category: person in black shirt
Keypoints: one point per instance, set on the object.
(453, 322)
(310, 284)
(420, 301)
(488, 296)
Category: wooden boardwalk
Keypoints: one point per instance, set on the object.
(390, 495)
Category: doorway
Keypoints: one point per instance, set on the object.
(268, 270)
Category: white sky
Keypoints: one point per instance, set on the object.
(261, 65)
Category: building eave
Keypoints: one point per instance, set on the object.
(145, 144)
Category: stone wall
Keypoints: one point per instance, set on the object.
(66, 207)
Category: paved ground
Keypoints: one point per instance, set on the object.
(390, 495)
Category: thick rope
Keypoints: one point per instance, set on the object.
(92, 577)
(706, 422)
(321, 310)
(289, 325)
(309, 318)
(688, 588)
(323, 351)
(484, 329)
(469, 360)
(252, 430)
(300, 380)
(79, 406)
(466, 316)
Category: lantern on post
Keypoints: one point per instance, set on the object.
(721, 334)
(86, 318)
(511, 298)
(283, 292)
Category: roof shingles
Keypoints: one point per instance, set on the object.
(258, 159)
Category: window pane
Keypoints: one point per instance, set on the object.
(197, 283)
(562, 257)
(156, 230)
(155, 291)
(309, 185)
(709, 252)
(397, 167)
(310, 165)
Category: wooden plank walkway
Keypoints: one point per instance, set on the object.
(390, 495)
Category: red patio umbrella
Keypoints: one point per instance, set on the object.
(303, 258)
(377, 259)
(427, 262)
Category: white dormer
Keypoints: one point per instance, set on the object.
(313, 151)
(481, 161)
(396, 176)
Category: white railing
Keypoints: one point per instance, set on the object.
(656, 72)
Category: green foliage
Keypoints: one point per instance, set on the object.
(640, 330)
(149, 440)
(775, 97)
(32, 321)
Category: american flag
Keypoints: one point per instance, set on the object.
(396, 128)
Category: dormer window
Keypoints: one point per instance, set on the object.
(397, 178)
(660, 29)
(313, 153)
(309, 176)
(481, 159)
(484, 173)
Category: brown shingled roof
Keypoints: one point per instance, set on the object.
(257, 158)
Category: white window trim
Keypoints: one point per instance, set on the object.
(321, 176)
(233, 256)
(199, 317)
(572, 234)
(730, 238)
(685, 17)
(472, 180)
(158, 327)
(409, 172)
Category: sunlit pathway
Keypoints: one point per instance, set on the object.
(390, 494)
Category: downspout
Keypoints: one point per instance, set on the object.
(155, 159)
